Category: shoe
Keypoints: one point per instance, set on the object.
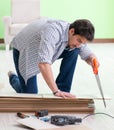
(10, 73)
(14, 81)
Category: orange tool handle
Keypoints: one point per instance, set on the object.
(95, 66)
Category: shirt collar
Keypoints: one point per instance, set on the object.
(65, 34)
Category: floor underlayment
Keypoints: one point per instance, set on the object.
(84, 83)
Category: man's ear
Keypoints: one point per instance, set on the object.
(71, 31)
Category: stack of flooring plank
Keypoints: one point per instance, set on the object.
(52, 104)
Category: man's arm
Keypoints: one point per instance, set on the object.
(47, 74)
(87, 55)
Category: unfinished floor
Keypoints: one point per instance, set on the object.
(84, 83)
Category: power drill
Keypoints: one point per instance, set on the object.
(64, 120)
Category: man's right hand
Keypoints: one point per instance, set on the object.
(64, 94)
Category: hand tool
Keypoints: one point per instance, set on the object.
(95, 70)
(21, 115)
(64, 120)
(41, 113)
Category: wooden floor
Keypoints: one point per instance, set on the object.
(98, 121)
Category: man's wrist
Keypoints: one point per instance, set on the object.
(55, 92)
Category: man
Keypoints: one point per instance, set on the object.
(42, 42)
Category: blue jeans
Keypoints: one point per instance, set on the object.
(17, 82)
(64, 78)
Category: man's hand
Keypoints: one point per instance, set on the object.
(90, 61)
(64, 94)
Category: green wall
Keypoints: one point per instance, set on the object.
(100, 12)
(4, 10)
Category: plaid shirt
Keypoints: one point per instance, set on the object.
(42, 41)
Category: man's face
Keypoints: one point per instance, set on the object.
(75, 41)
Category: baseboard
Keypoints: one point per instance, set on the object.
(97, 40)
(104, 40)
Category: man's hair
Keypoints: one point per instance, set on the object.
(83, 27)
